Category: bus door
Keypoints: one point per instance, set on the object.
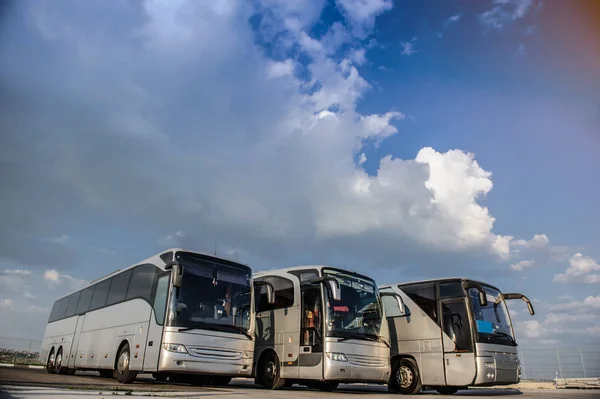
(459, 357)
(75, 342)
(156, 323)
(310, 356)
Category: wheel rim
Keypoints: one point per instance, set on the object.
(269, 370)
(51, 359)
(58, 360)
(405, 376)
(123, 363)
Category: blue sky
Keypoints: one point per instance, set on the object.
(401, 139)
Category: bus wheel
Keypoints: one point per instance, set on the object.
(124, 375)
(447, 390)
(50, 362)
(269, 374)
(327, 386)
(58, 368)
(405, 377)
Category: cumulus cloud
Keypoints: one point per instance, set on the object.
(452, 20)
(361, 14)
(563, 319)
(172, 135)
(55, 277)
(522, 265)
(581, 270)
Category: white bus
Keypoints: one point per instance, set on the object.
(327, 326)
(178, 314)
(456, 333)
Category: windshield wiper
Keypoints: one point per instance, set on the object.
(511, 339)
(364, 337)
(380, 339)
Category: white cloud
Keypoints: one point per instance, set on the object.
(580, 270)
(358, 56)
(58, 240)
(55, 277)
(452, 20)
(505, 12)
(17, 272)
(6, 303)
(522, 265)
(361, 14)
(51, 275)
(408, 47)
(232, 142)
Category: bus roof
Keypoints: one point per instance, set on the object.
(310, 267)
(154, 259)
(444, 279)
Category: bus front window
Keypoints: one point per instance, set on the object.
(492, 321)
(358, 313)
(211, 295)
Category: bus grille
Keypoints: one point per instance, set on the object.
(366, 361)
(214, 353)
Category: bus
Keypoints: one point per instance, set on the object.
(178, 314)
(456, 333)
(326, 326)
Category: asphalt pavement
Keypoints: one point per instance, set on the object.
(32, 383)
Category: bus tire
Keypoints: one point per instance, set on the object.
(269, 371)
(123, 373)
(50, 362)
(447, 390)
(405, 377)
(58, 367)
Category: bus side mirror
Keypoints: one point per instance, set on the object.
(336, 292)
(177, 273)
(482, 299)
(394, 305)
(510, 296)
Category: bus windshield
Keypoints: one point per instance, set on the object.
(358, 313)
(492, 321)
(211, 296)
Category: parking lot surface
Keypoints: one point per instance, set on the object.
(29, 383)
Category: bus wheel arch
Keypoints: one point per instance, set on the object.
(50, 361)
(268, 370)
(405, 378)
(122, 370)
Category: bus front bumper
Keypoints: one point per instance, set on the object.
(172, 362)
(491, 371)
(358, 369)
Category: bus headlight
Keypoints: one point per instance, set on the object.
(174, 348)
(489, 365)
(338, 357)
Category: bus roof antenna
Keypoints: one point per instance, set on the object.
(215, 247)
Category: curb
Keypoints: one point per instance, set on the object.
(21, 366)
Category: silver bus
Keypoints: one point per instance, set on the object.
(179, 314)
(326, 326)
(456, 333)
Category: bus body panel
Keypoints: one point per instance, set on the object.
(421, 338)
(367, 361)
(209, 352)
